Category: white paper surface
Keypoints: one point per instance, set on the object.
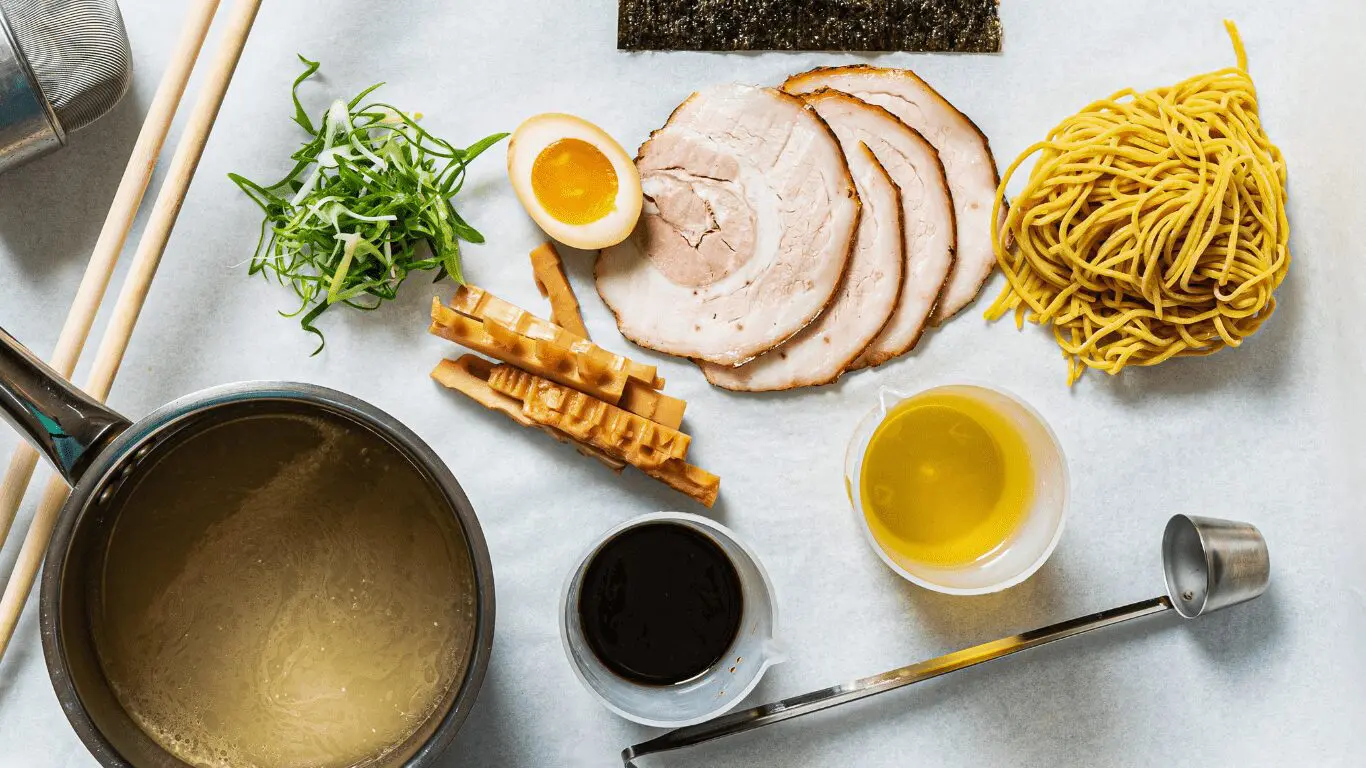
(1270, 433)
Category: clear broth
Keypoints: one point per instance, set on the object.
(282, 591)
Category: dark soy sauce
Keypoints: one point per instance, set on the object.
(660, 604)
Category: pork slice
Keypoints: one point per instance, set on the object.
(868, 294)
(749, 220)
(963, 148)
(926, 213)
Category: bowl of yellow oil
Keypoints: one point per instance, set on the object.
(961, 489)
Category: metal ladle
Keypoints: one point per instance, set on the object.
(1208, 564)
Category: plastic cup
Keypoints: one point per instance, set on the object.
(1027, 547)
(712, 693)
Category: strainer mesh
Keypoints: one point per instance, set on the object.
(78, 51)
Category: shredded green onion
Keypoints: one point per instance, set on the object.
(367, 202)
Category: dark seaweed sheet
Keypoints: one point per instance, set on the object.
(967, 26)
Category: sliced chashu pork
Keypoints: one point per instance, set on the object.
(926, 208)
(748, 224)
(867, 295)
(962, 147)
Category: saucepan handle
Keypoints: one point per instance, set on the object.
(63, 422)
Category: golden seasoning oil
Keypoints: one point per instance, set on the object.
(946, 479)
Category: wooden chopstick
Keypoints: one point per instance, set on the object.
(112, 237)
(133, 293)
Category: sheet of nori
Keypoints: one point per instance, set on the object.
(967, 26)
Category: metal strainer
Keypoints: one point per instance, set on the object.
(63, 65)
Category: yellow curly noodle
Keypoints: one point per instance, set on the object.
(1152, 225)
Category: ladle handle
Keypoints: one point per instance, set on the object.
(815, 701)
(60, 420)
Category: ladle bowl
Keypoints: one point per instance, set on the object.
(1210, 564)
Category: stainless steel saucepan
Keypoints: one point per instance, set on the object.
(97, 450)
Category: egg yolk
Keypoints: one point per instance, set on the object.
(574, 181)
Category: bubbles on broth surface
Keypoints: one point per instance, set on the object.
(282, 591)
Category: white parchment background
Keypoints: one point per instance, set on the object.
(1271, 433)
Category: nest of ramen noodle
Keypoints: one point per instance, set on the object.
(1152, 225)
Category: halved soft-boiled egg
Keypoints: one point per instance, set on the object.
(577, 182)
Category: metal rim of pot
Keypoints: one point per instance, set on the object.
(98, 449)
(144, 433)
(165, 420)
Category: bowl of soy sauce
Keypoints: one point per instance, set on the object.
(669, 620)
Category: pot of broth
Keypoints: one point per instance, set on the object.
(259, 575)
